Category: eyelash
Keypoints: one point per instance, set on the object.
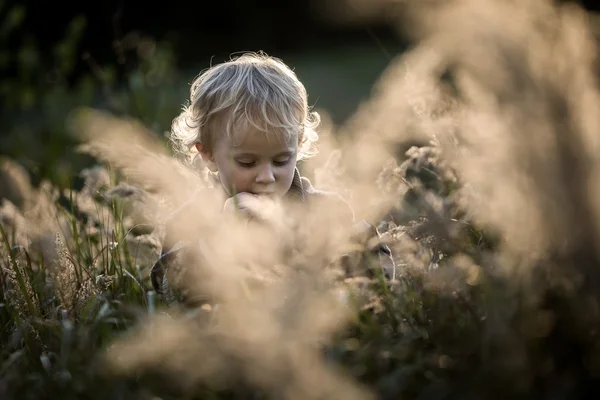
(245, 164)
(251, 164)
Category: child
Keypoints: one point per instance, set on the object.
(249, 121)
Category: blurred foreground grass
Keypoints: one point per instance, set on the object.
(77, 279)
(143, 80)
(492, 220)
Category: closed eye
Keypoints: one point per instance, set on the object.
(245, 164)
(281, 163)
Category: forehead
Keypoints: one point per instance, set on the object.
(259, 142)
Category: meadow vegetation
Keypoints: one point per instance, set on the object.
(477, 156)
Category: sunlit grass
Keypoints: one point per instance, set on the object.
(492, 219)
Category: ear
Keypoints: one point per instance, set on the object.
(207, 157)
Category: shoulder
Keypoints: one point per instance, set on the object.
(182, 210)
(328, 200)
(179, 223)
(179, 227)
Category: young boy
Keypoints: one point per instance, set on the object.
(249, 121)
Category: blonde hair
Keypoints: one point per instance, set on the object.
(252, 90)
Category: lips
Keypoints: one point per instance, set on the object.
(267, 194)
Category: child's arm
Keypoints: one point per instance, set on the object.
(169, 250)
(368, 237)
(179, 231)
(365, 235)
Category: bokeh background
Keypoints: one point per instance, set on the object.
(458, 324)
(138, 58)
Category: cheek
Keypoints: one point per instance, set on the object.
(241, 177)
(286, 174)
(227, 172)
(233, 178)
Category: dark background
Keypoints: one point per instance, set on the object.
(47, 71)
(200, 30)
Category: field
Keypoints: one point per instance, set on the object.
(476, 155)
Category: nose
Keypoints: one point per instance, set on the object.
(265, 174)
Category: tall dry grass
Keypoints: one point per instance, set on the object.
(493, 222)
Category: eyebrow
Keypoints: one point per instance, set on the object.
(249, 154)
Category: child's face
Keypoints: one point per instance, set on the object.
(254, 162)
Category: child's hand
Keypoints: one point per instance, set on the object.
(263, 209)
(248, 204)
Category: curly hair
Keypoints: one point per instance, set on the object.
(253, 90)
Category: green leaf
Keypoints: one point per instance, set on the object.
(14, 18)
